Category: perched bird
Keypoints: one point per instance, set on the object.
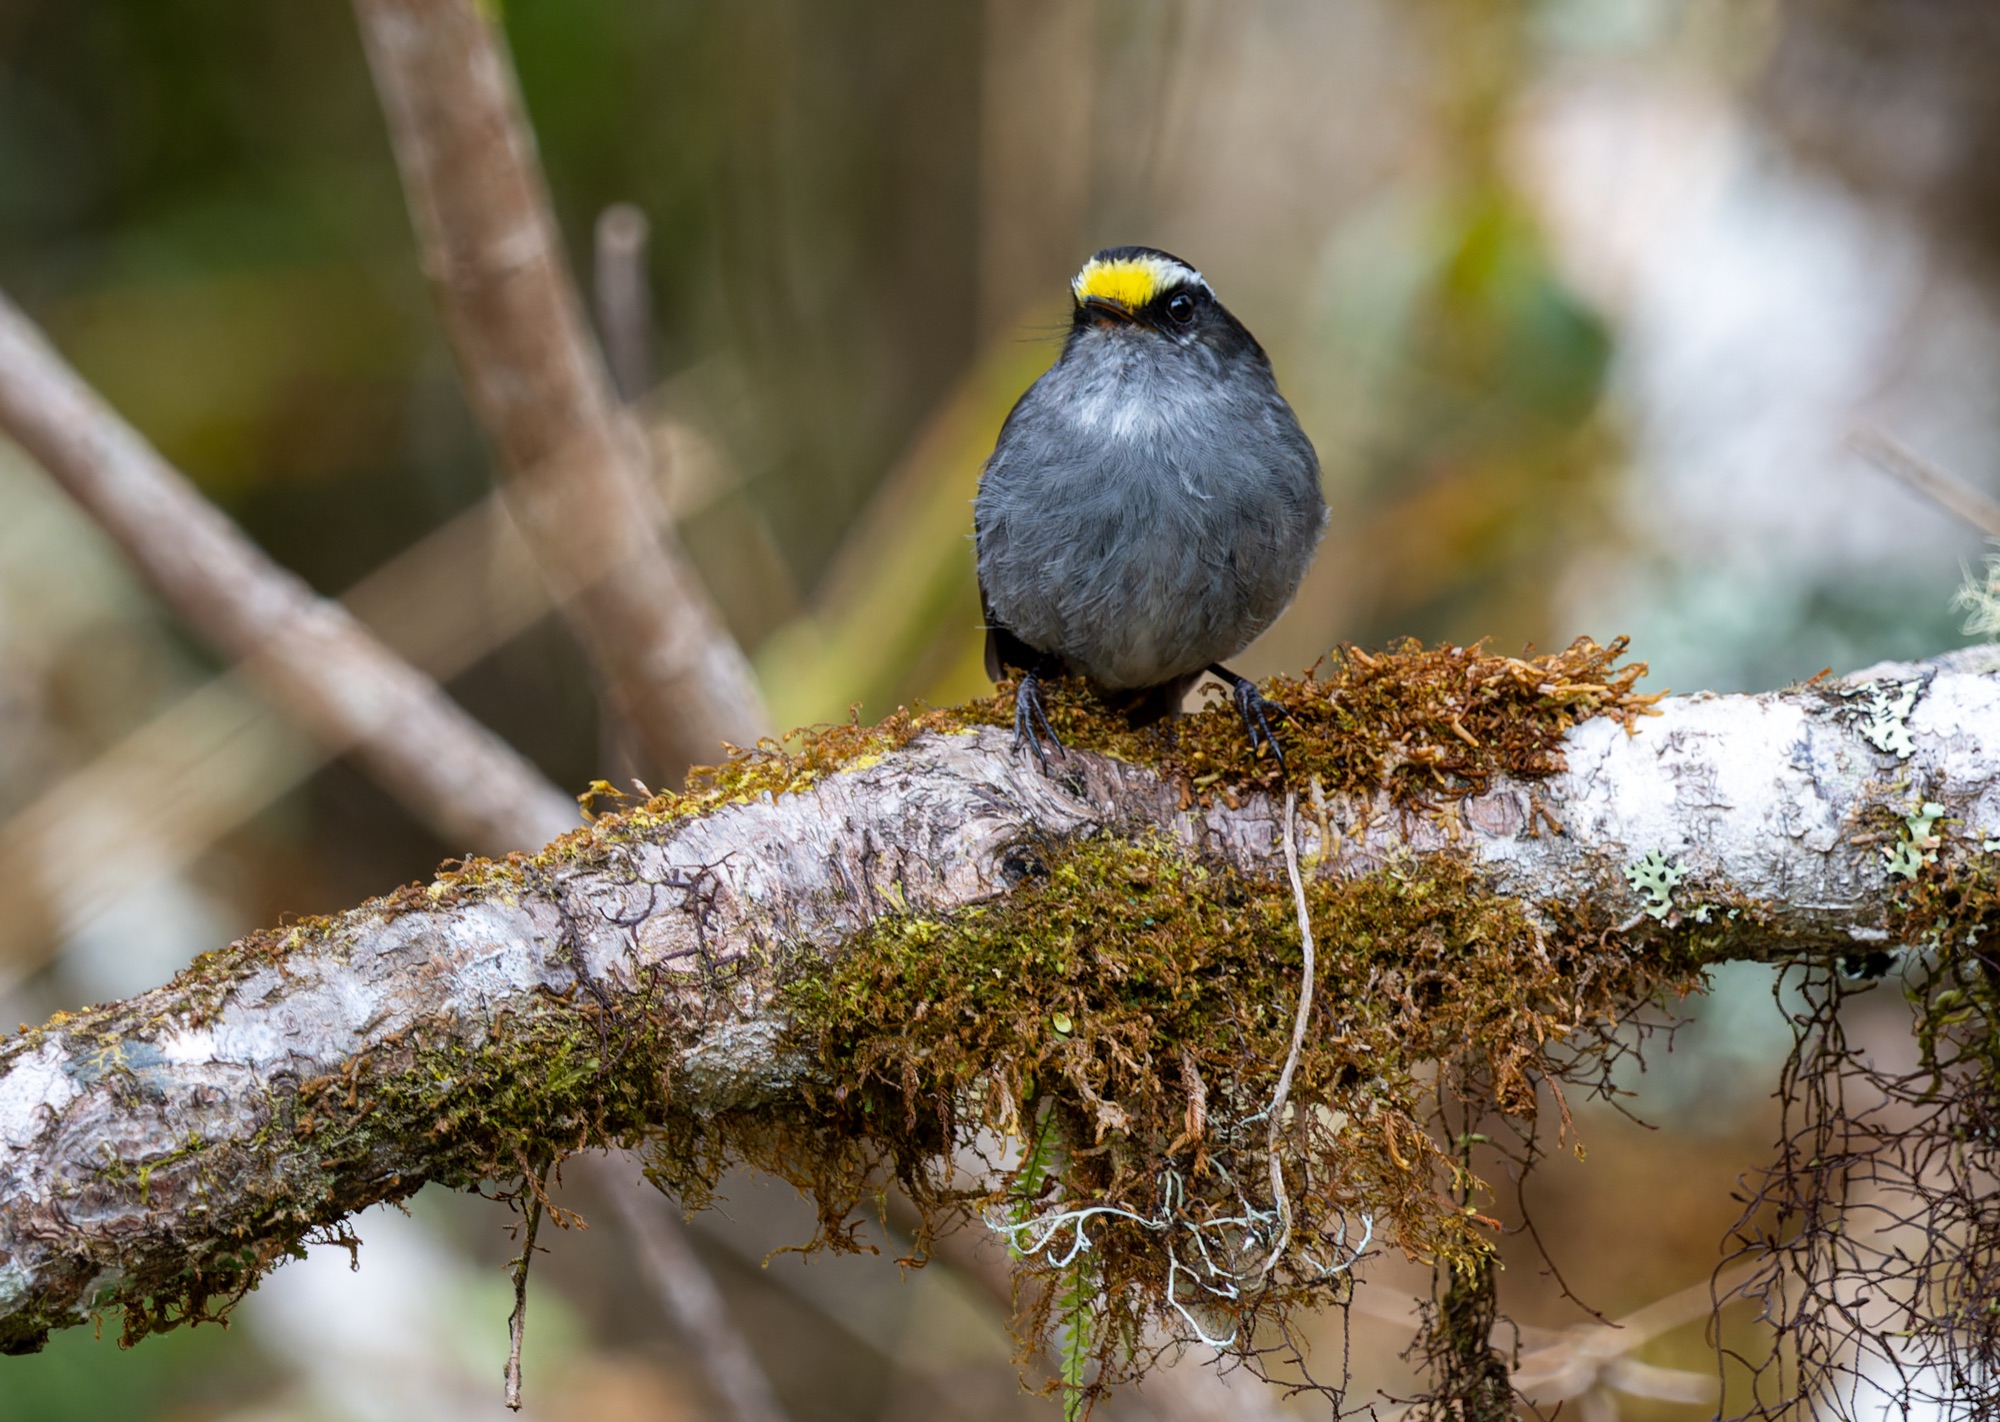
(1151, 504)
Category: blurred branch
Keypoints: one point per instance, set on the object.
(221, 754)
(687, 1293)
(573, 464)
(1590, 1365)
(328, 672)
(324, 1068)
(171, 780)
(1887, 454)
(307, 654)
(897, 616)
(217, 757)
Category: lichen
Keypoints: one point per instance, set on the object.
(1886, 715)
(14, 1285)
(1918, 843)
(1656, 876)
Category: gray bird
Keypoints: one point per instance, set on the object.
(1151, 504)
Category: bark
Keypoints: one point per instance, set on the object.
(203, 1126)
(573, 463)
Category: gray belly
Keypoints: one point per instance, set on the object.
(1142, 568)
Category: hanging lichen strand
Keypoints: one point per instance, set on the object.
(1885, 1194)
(1105, 1041)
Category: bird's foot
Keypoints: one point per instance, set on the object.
(1254, 708)
(1031, 721)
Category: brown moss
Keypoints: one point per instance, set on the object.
(1422, 723)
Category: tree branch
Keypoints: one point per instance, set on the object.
(163, 1149)
(420, 599)
(305, 652)
(573, 463)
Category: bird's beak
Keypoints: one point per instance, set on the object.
(1106, 311)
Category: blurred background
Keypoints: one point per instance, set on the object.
(1578, 299)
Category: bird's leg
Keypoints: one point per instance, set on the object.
(1251, 705)
(1031, 720)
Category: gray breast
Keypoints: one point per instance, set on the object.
(1142, 519)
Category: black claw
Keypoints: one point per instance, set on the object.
(1031, 721)
(1252, 706)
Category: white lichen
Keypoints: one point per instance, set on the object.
(32, 1090)
(1887, 711)
(16, 1284)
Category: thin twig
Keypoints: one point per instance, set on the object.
(624, 293)
(306, 653)
(687, 1292)
(1950, 493)
(573, 465)
(1299, 1023)
(517, 1321)
(624, 297)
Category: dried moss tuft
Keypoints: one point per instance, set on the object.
(1423, 723)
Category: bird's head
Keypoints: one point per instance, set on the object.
(1145, 292)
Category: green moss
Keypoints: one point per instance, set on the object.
(459, 1104)
(1140, 1005)
(1949, 910)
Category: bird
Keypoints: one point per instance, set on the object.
(1150, 506)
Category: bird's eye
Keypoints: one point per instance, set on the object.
(1180, 306)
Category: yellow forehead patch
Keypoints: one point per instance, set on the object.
(1129, 281)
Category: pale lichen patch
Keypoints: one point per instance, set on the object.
(16, 1287)
(32, 1090)
(187, 1046)
(1655, 877)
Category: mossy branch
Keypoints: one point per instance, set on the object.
(866, 952)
